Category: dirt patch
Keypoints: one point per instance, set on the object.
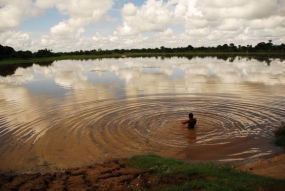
(273, 167)
(111, 175)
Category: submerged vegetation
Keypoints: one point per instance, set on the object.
(9, 56)
(202, 176)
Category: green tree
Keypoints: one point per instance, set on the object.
(6, 52)
(44, 53)
(225, 47)
(24, 54)
(189, 47)
(233, 47)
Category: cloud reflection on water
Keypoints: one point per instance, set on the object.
(238, 71)
(201, 75)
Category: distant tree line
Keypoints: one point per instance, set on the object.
(7, 52)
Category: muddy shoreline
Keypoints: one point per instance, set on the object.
(112, 175)
(116, 175)
(270, 166)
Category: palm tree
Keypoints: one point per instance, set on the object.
(269, 44)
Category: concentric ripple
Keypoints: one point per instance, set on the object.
(227, 129)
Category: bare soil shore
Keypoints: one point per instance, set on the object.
(272, 167)
(116, 175)
(112, 175)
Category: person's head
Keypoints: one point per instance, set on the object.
(190, 115)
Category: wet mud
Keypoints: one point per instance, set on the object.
(112, 175)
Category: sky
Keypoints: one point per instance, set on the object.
(71, 25)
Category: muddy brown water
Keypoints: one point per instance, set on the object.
(74, 113)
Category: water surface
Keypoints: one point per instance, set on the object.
(72, 113)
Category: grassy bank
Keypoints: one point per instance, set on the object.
(116, 55)
(202, 176)
(51, 59)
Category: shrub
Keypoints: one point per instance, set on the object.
(280, 136)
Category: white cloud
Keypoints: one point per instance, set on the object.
(268, 23)
(62, 30)
(13, 12)
(103, 41)
(168, 32)
(84, 9)
(204, 20)
(65, 44)
(186, 9)
(17, 40)
(245, 9)
(157, 15)
(198, 32)
(172, 23)
(152, 16)
(81, 13)
(267, 33)
(66, 30)
(45, 4)
(129, 9)
(231, 25)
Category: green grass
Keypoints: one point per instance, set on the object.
(280, 137)
(142, 54)
(208, 177)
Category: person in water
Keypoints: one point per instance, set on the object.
(191, 122)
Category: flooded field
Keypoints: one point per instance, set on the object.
(73, 113)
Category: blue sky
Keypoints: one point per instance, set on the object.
(68, 25)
